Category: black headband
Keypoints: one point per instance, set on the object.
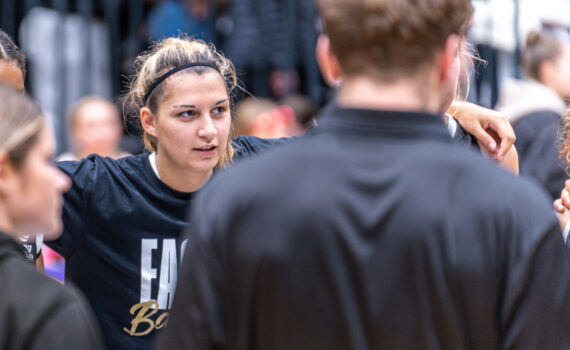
(172, 71)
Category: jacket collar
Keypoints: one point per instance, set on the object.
(8, 246)
(368, 122)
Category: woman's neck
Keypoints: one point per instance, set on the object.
(180, 179)
(6, 223)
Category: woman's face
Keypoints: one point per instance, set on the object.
(35, 200)
(560, 77)
(193, 121)
(11, 75)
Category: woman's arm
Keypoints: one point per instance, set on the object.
(509, 162)
(491, 129)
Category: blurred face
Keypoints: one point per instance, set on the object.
(560, 78)
(97, 129)
(193, 122)
(36, 200)
(11, 75)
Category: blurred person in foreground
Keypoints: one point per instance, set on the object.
(394, 238)
(36, 312)
(95, 128)
(13, 74)
(535, 107)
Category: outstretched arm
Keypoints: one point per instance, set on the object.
(491, 129)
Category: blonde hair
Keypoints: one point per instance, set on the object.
(162, 57)
(21, 121)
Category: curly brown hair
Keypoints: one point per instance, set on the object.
(563, 143)
(389, 39)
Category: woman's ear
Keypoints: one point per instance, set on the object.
(148, 121)
(328, 64)
(449, 61)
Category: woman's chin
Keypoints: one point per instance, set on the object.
(53, 232)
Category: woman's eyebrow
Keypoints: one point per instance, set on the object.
(183, 106)
(221, 101)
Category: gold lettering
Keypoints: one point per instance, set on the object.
(147, 309)
(162, 320)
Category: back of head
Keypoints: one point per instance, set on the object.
(21, 121)
(389, 39)
(10, 52)
(540, 47)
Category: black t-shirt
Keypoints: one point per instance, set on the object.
(122, 241)
(374, 232)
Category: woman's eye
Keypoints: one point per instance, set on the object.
(187, 114)
(219, 110)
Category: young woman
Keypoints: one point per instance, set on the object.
(123, 218)
(13, 73)
(35, 311)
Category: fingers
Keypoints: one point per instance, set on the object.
(565, 198)
(484, 138)
(558, 206)
(503, 133)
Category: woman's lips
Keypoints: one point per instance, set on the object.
(207, 151)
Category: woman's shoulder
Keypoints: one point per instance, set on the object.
(248, 145)
(94, 163)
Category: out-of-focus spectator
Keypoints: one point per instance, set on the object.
(174, 17)
(499, 31)
(95, 127)
(305, 112)
(535, 106)
(267, 119)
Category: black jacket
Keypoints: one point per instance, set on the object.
(537, 137)
(37, 312)
(374, 232)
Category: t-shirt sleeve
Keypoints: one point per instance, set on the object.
(245, 146)
(536, 299)
(463, 138)
(83, 175)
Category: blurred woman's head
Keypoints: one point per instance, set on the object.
(546, 59)
(12, 63)
(95, 127)
(30, 185)
(181, 95)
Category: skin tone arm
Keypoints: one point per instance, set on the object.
(478, 121)
(492, 130)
